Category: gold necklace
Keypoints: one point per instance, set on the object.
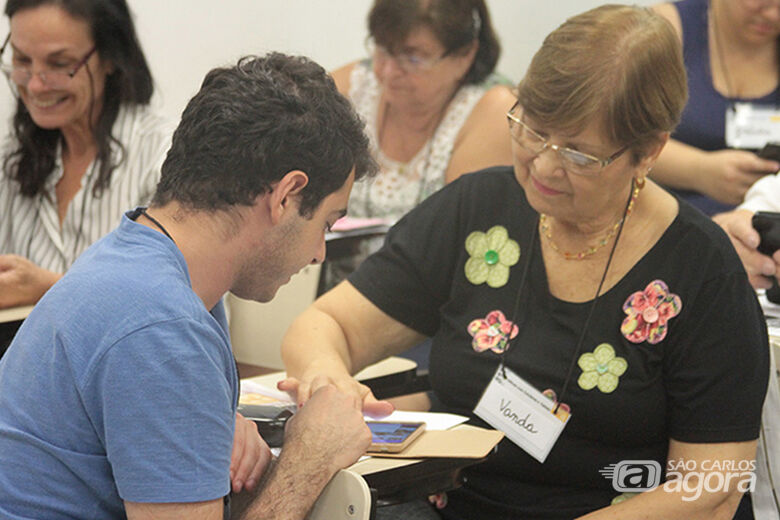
(544, 226)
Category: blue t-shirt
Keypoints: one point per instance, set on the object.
(120, 385)
(703, 121)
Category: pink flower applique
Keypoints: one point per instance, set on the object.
(494, 332)
(648, 313)
(563, 409)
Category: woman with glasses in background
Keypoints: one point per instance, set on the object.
(733, 63)
(84, 146)
(434, 108)
(606, 327)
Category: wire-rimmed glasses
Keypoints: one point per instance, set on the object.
(409, 62)
(55, 78)
(573, 161)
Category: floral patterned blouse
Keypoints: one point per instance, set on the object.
(676, 349)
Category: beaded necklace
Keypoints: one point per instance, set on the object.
(544, 226)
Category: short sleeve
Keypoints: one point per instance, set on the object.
(164, 408)
(410, 277)
(716, 376)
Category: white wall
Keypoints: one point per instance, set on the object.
(183, 39)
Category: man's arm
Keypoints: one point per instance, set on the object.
(326, 435)
(211, 510)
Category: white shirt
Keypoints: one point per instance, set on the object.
(764, 195)
(399, 187)
(30, 227)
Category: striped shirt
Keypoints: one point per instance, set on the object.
(30, 227)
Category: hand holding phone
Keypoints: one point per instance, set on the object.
(393, 437)
(767, 223)
(770, 151)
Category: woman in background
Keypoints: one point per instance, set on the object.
(84, 147)
(731, 55)
(433, 107)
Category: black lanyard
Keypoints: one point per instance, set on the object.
(581, 340)
(142, 211)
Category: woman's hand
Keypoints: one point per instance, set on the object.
(301, 391)
(250, 456)
(22, 282)
(738, 226)
(728, 174)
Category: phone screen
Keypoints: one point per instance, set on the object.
(393, 437)
(391, 432)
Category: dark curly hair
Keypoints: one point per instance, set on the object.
(251, 124)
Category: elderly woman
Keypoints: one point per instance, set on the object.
(84, 146)
(433, 107)
(731, 56)
(564, 302)
(429, 98)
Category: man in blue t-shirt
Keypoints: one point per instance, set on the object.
(118, 395)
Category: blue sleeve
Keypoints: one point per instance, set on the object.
(163, 404)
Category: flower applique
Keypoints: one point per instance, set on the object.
(493, 333)
(622, 498)
(563, 411)
(601, 368)
(649, 312)
(492, 254)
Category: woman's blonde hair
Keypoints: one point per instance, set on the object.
(616, 64)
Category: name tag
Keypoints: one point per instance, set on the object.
(752, 126)
(516, 408)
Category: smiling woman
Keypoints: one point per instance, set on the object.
(83, 148)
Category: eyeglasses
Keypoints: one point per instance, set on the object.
(408, 62)
(56, 78)
(573, 161)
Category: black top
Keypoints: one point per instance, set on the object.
(703, 381)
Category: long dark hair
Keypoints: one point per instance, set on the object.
(130, 82)
(456, 23)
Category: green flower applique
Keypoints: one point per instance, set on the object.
(601, 368)
(492, 254)
(622, 498)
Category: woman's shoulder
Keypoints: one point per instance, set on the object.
(343, 76)
(487, 186)
(142, 124)
(694, 231)
(350, 75)
(669, 11)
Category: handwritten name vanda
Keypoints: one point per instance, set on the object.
(510, 414)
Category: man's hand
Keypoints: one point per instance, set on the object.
(22, 282)
(301, 391)
(329, 432)
(730, 173)
(739, 228)
(250, 456)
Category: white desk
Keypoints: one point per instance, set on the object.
(397, 368)
(14, 313)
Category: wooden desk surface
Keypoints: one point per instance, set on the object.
(15, 313)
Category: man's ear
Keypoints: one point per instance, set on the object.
(285, 194)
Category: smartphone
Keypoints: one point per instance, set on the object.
(767, 223)
(393, 437)
(770, 151)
